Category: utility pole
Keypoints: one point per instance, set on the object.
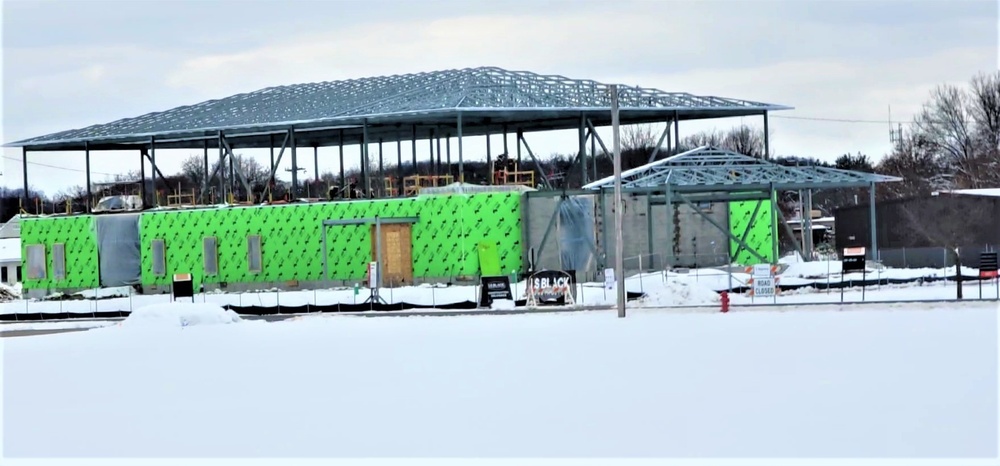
(619, 244)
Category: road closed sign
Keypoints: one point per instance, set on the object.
(764, 287)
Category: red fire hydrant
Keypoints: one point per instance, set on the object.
(725, 301)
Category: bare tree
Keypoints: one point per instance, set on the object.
(913, 161)
(639, 137)
(745, 140)
(985, 109)
(947, 125)
(741, 139)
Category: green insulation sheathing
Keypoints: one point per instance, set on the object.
(757, 230)
(80, 240)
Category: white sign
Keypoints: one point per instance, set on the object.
(373, 274)
(761, 270)
(763, 287)
(609, 279)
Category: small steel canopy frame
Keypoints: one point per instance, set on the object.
(708, 169)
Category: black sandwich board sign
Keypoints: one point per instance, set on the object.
(494, 288)
(183, 286)
(853, 260)
(988, 265)
(988, 270)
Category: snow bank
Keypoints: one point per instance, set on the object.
(504, 304)
(9, 293)
(180, 315)
(680, 292)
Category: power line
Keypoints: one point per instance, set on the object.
(843, 120)
(58, 167)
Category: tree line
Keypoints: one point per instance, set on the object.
(953, 143)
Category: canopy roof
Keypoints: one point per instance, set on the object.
(487, 99)
(709, 168)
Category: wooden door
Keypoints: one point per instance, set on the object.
(397, 254)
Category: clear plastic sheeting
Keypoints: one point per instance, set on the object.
(576, 233)
(118, 249)
(468, 188)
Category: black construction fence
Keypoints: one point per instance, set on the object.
(277, 310)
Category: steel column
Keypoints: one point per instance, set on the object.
(316, 163)
(519, 136)
(24, 173)
(270, 179)
(583, 149)
(807, 228)
(489, 159)
(152, 164)
(365, 182)
(340, 146)
(593, 152)
(871, 219)
(439, 172)
(295, 165)
(461, 160)
(90, 193)
(413, 148)
(381, 170)
(619, 241)
(649, 226)
(399, 163)
(677, 128)
(670, 227)
(430, 147)
(767, 141)
(447, 151)
(774, 222)
(142, 176)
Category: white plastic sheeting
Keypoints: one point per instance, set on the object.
(576, 233)
(118, 249)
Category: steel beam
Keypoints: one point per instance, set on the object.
(234, 163)
(538, 165)
(656, 150)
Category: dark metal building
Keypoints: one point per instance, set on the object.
(914, 232)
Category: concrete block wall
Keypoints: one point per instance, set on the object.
(698, 242)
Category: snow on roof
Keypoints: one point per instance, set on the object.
(10, 250)
(11, 229)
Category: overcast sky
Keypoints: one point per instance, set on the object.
(70, 64)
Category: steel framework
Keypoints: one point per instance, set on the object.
(708, 168)
(491, 93)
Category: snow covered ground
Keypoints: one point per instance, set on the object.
(696, 287)
(904, 380)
